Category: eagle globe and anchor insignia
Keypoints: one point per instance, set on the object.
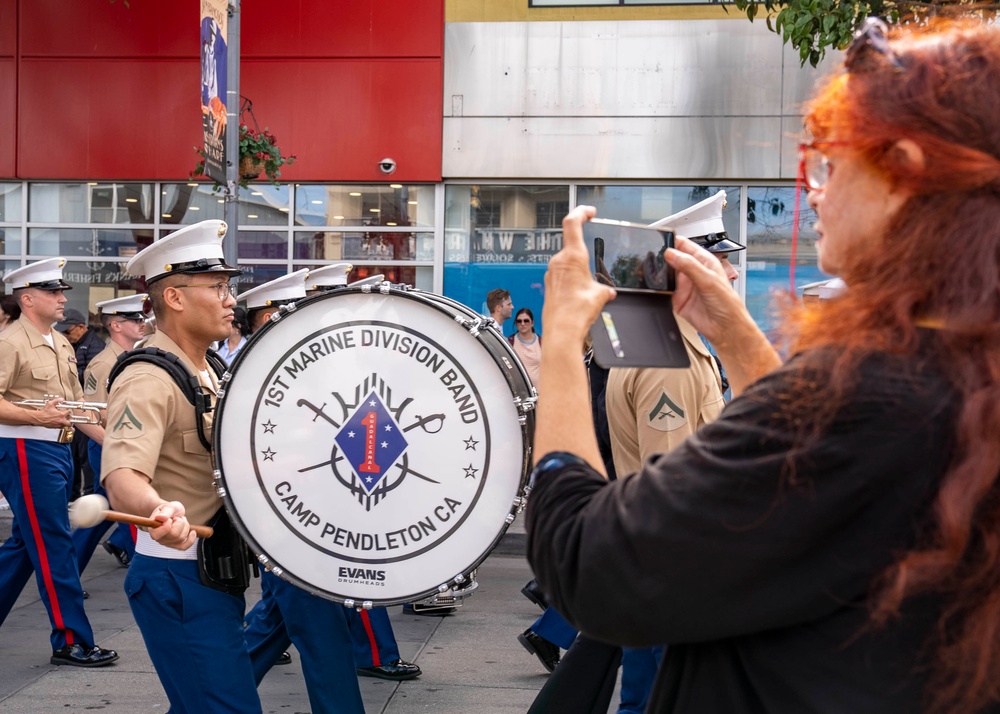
(371, 444)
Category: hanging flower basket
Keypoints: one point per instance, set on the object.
(259, 154)
(250, 168)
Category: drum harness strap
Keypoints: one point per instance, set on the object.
(186, 382)
(224, 559)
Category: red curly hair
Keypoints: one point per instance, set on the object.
(938, 267)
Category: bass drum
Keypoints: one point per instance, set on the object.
(373, 446)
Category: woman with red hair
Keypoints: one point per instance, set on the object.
(832, 542)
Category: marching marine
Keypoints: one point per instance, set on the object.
(185, 592)
(38, 367)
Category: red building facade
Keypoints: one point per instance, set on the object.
(95, 89)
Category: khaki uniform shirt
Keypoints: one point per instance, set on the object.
(95, 377)
(650, 411)
(151, 428)
(31, 369)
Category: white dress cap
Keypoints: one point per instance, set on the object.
(192, 249)
(45, 275)
(824, 289)
(370, 280)
(702, 223)
(129, 306)
(329, 276)
(287, 288)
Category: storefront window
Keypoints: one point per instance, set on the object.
(364, 205)
(11, 241)
(363, 245)
(94, 244)
(95, 202)
(96, 281)
(10, 202)
(501, 237)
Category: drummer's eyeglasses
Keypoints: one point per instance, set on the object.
(223, 290)
(871, 35)
(814, 166)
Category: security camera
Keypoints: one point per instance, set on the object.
(387, 166)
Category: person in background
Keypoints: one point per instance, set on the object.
(229, 347)
(527, 343)
(826, 544)
(87, 345)
(500, 307)
(125, 321)
(36, 463)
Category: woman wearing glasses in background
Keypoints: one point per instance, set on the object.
(527, 343)
(831, 542)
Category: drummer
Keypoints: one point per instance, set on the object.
(376, 652)
(154, 463)
(287, 614)
(36, 474)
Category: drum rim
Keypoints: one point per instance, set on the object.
(526, 427)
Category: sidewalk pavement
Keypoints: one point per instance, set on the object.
(471, 660)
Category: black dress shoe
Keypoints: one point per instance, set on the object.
(535, 594)
(284, 658)
(80, 656)
(546, 652)
(120, 555)
(397, 670)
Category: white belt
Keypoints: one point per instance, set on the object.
(145, 545)
(39, 433)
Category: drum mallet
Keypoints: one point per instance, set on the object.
(88, 511)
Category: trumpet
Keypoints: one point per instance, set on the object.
(92, 411)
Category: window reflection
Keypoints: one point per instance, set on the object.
(10, 202)
(10, 241)
(363, 245)
(95, 202)
(364, 205)
(94, 244)
(770, 220)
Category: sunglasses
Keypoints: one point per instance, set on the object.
(522, 320)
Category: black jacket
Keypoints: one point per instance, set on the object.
(754, 574)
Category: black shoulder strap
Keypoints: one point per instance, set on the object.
(188, 383)
(216, 362)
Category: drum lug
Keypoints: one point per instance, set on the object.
(220, 490)
(224, 380)
(509, 518)
(221, 393)
(523, 407)
(518, 505)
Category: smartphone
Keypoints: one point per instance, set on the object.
(630, 256)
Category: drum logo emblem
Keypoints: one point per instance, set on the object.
(371, 441)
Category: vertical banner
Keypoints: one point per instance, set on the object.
(214, 24)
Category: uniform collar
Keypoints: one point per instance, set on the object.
(35, 338)
(161, 340)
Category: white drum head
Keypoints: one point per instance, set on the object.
(369, 447)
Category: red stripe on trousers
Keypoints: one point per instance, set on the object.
(376, 662)
(36, 530)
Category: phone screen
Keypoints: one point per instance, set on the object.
(630, 256)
